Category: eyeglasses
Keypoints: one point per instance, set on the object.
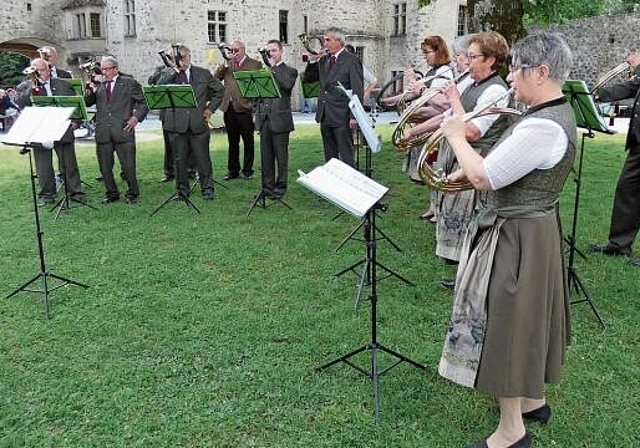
(108, 68)
(473, 57)
(513, 69)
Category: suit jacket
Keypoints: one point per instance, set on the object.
(623, 90)
(278, 110)
(231, 89)
(208, 92)
(333, 106)
(63, 73)
(112, 115)
(59, 87)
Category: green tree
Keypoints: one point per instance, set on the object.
(11, 66)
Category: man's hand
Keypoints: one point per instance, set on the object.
(352, 124)
(633, 60)
(207, 114)
(131, 124)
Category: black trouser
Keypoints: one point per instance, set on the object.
(625, 218)
(170, 158)
(274, 150)
(67, 165)
(127, 156)
(337, 143)
(187, 145)
(239, 124)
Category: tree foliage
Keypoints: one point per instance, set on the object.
(11, 66)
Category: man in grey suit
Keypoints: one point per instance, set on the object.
(187, 127)
(45, 85)
(333, 114)
(120, 106)
(274, 121)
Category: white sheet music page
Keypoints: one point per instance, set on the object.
(344, 186)
(37, 125)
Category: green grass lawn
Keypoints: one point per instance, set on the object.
(204, 330)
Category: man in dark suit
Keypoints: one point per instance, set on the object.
(50, 55)
(120, 106)
(625, 218)
(187, 127)
(275, 122)
(238, 113)
(65, 147)
(333, 114)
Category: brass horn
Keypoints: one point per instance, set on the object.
(45, 53)
(225, 51)
(408, 117)
(307, 44)
(401, 107)
(437, 179)
(167, 58)
(31, 73)
(264, 53)
(611, 74)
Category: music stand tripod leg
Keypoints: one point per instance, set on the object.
(258, 201)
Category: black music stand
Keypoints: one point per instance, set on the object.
(171, 96)
(79, 113)
(259, 85)
(34, 127)
(336, 187)
(588, 118)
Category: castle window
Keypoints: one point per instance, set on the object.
(81, 27)
(305, 23)
(462, 20)
(284, 26)
(95, 25)
(129, 18)
(360, 53)
(216, 26)
(399, 19)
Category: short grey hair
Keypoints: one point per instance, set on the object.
(110, 59)
(544, 48)
(337, 33)
(460, 44)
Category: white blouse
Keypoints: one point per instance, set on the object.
(536, 143)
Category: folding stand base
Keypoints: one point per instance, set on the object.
(46, 290)
(179, 197)
(575, 283)
(260, 200)
(66, 204)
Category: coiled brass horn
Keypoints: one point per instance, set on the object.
(611, 74)
(31, 73)
(402, 105)
(225, 51)
(45, 53)
(306, 43)
(409, 117)
(167, 58)
(264, 53)
(437, 179)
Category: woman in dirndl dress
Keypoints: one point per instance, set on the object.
(510, 322)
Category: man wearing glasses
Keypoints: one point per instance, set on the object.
(238, 112)
(120, 106)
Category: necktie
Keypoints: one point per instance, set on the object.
(109, 90)
(332, 62)
(182, 77)
(236, 66)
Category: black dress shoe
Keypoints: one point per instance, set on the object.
(230, 176)
(132, 199)
(166, 178)
(634, 262)
(109, 199)
(540, 415)
(247, 176)
(209, 195)
(525, 442)
(448, 284)
(610, 250)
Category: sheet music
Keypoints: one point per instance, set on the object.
(344, 186)
(365, 122)
(39, 125)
